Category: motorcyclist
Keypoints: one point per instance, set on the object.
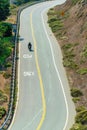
(29, 45)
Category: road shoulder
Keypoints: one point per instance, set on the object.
(58, 59)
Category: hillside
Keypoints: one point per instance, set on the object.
(69, 24)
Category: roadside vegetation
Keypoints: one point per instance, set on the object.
(4, 9)
(6, 49)
(69, 24)
(6, 45)
(2, 112)
(22, 2)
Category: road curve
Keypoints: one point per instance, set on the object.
(42, 103)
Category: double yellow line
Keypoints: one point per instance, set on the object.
(40, 78)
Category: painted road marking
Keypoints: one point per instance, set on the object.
(40, 78)
(28, 73)
(27, 56)
(67, 111)
(33, 119)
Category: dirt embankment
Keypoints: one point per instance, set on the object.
(74, 34)
(69, 24)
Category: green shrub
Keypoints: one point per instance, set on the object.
(7, 89)
(5, 50)
(75, 92)
(8, 64)
(68, 57)
(54, 22)
(67, 46)
(75, 99)
(2, 112)
(81, 117)
(82, 71)
(4, 9)
(5, 29)
(69, 63)
(59, 34)
(85, 51)
(6, 75)
(13, 6)
(52, 19)
(3, 98)
(80, 108)
(75, 1)
(51, 12)
(69, 54)
(56, 25)
(66, 63)
(77, 126)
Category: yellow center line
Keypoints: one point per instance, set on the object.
(40, 78)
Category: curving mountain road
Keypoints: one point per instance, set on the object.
(42, 103)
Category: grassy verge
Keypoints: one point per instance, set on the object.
(6, 50)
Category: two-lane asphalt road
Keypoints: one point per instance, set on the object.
(42, 103)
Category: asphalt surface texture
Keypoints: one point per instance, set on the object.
(44, 102)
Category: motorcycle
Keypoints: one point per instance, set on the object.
(29, 46)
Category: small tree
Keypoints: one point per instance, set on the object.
(5, 29)
(4, 9)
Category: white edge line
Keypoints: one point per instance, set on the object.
(56, 70)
